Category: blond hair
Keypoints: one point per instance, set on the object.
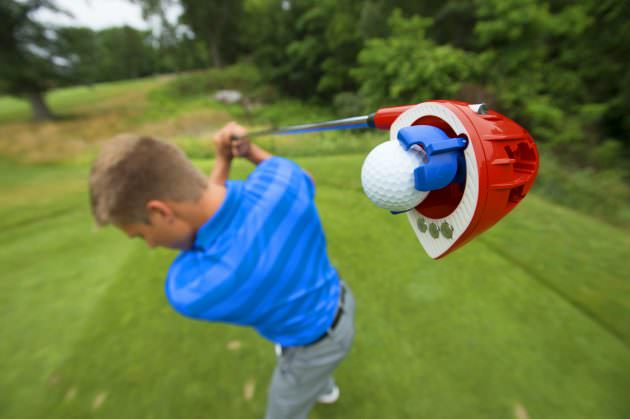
(131, 170)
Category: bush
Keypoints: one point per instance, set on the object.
(408, 67)
(243, 77)
(349, 104)
(601, 193)
(573, 137)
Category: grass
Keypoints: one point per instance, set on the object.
(71, 101)
(531, 316)
(88, 116)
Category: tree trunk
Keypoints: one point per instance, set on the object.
(216, 55)
(38, 106)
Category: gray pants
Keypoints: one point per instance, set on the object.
(303, 373)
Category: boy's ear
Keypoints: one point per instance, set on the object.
(159, 208)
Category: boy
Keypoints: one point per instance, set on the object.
(253, 252)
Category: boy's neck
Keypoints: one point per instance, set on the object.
(196, 214)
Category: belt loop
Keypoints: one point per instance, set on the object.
(342, 297)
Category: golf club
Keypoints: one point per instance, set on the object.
(381, 119)
(474, 176)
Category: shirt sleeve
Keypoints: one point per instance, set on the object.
(194, 285)
(279, 173)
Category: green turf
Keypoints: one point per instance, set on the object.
(70, 100)
(532, 315)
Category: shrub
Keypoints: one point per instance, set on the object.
(348, 104)
(243, 77)
(601, 193)
(408, 67)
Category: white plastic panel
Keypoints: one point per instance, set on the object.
(461, 217)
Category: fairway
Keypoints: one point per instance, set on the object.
(531, 317)
(470, 108)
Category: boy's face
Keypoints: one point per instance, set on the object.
(163, 230)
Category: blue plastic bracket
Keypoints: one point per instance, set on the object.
(445, 157)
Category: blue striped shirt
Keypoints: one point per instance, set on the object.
(261, 260)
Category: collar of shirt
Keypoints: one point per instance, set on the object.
(218, 221)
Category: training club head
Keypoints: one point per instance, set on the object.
(501, 163)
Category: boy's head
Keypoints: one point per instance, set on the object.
(138, 183)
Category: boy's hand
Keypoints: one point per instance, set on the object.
(230, 142)
(241, 147)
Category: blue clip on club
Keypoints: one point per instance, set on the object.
(445, 156)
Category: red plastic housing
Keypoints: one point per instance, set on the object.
(507, 165)
(385, 117)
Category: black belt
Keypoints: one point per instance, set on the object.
(338, 315)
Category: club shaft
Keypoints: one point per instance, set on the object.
(381, 119)
(354, 122)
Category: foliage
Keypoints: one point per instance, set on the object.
(307, 47)
(513, 37)
(79, 47)
(408, 67)
(123, 54)
(349, 103)
(37, 57)
(29, 66)
(287, 43)
(603, 193)
(554, 66)
(214, 21)
(549, 64)
(242, 77)
(119, 53)
(547, 72)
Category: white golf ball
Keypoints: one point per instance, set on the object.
(387, 176)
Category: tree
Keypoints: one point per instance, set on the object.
(269, 31)
(216, 22)
(78, 47)
(124, 53)
(514, 39)
(166, 35)
(304, 47)
(407, 67)
(605, 40)
(29, 67)
(308, 47)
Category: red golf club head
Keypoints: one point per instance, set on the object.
(501, 163)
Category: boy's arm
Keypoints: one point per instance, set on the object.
(255, 153)
(221, 170)
(235, 136)
(231, 141)
(224, 155)
(242, 147)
